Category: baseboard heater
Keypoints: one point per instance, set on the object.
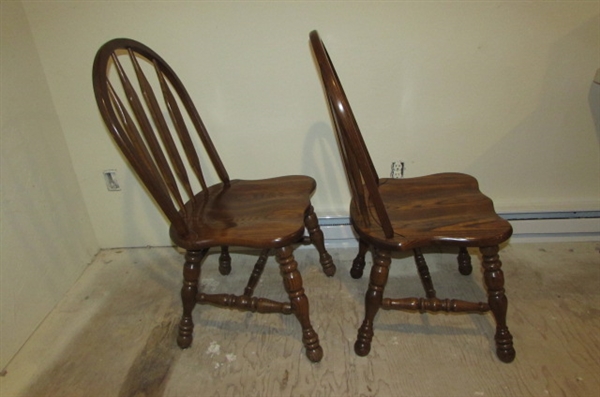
(527, 227)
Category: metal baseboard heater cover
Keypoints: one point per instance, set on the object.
(534, 226)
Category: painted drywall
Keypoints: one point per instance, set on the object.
(46, 235)
(498, 89)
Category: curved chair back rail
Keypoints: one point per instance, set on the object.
(360, 171)
(146, 84)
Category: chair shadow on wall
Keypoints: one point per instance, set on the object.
(320, 148)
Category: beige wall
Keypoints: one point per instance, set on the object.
(500, 90)
(46, 235)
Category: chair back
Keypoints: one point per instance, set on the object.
(153, 130)
(362, 176)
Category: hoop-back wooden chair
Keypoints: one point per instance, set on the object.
(409, 214)
(154, 123)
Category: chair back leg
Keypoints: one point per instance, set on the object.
(358, 264)
(316, 237)
(464, 262)
(224, 261)
(424, 275)
(256, 272)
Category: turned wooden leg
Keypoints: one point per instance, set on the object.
(189, 290)
(256, 272)
(424, 273)
(494, 280)
(316, 236)
(358, 264)
(373, 298)
(292, 282)
(464, 261)
(224, 261)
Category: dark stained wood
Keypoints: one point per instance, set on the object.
(224, 261)
(407, 214)
(153, 121)
(358, 265)
(464, 262)
(256, 272)
(424, 273)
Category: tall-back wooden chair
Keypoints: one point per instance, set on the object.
(153, 121)
(408, 214)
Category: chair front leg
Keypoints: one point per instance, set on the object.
(292, 282)
(316, 237)
(373, 299)
(494, 280)
(189, 290)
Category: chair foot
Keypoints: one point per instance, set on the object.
(315, 354)
(358, 265)
(186, 333)
(310, 339)
(327, 264)
(504, 345)
(506, 356)
(362, 346)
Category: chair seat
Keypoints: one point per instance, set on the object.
(445, 208)
(266, 213)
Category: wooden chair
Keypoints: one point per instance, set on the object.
(408, 214)
(150, 115)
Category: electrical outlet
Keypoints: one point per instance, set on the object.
(110, 178)
(397, 169)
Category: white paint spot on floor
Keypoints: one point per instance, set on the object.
(231, 357)
(214, 349)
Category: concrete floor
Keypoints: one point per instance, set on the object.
(114, 332)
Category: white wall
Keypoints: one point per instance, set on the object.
(500, 90)
(46, 235)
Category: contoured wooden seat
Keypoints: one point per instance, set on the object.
(151, 117)
(412, 213)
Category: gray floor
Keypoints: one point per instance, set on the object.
(114, 332)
